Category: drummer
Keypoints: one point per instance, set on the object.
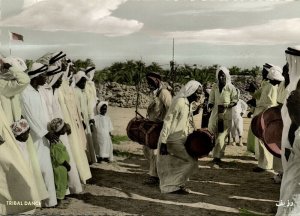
(174, 164)
(222, 98)
(267, 99)
(159, 105)
(290, 187)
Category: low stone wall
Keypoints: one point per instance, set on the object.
(120, 95)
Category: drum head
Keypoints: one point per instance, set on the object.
(272, 137)
(200, 143)
(273, 130)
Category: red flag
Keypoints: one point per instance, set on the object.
(15, 36)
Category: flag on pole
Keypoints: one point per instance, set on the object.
(15, 36)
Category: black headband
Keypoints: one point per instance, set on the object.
(292, 51)
(56, 57)
(53, 72)
(89, 69)
(42, 69)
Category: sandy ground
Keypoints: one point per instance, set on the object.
(117, 189)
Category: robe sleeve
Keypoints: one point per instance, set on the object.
(234, 97)
(244, 106)
(90, 100)
(211, 99)
(13, 87)
(110, 125)
(170, 119)
(166, 98)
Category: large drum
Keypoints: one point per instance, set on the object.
(144, 131)
(268, 127)
(200, 143)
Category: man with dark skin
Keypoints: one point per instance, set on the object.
(174, 164)
(36, 83)
(82, 103)
(222, 98)
(156, 111)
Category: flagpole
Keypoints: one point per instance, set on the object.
(9, 45)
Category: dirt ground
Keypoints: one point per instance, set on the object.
(117, 188)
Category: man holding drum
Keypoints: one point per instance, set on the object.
(156, 111)
(174, 164)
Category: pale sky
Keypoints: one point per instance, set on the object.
(233, 32)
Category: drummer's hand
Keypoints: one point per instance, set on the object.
(163, 149)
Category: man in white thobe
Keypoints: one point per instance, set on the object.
(16, 179)
(35, 111)
(82, 103)
(267, 99)
(174, 164)
(77, 138)
(50, 94)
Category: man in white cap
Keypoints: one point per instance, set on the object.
(222, 98)
(82, 102)
(35, 111)
(267, 99)
(174, 164)
(12, 163)
(77, 138)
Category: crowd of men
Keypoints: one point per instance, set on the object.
(171, 165)
(48, 113)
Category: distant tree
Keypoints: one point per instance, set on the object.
(83, 64)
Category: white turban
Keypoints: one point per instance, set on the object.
(19, 127)
(275, 73)
(226, 72)
(188, 89)
(79, 75)
(17, 65)
(100, 104)
(37, 69)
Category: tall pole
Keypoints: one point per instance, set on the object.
(172, 68)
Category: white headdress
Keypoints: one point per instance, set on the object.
(188, 89)
(37, 69)
(275, 73)
(79, 75)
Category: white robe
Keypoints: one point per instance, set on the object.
(267, 99)
(104, 144)
(77, 138)
(237, 120)
(175, 168)
(16, 179)
(54, 111)
(12, 108)
(83, 108)
(91, 95)
(35, 111)
(290, 186)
